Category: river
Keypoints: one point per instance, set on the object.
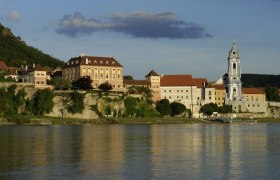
(196, 151)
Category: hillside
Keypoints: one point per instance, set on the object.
(15, 52)
(260, 80)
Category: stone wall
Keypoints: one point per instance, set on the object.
(88, 113)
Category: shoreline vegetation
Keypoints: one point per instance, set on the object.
(47, 120)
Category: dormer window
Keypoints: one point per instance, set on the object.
(101, 62)
(106, 62)
(95, 62)
(113, 62)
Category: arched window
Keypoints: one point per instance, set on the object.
(234, 66)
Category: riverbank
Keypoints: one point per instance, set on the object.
(46, 120)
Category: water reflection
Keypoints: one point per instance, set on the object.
(140, 152)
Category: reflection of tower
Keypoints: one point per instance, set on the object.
(233, 78)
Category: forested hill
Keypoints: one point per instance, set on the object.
(260, 80)
(15, 52)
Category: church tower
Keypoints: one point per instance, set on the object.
(233, 80)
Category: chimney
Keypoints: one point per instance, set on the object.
(26, 67)
(33, 65)
(86, 60)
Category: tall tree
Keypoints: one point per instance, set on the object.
(271, 94)
(105, 87)
(42, 102)
(77, 103)
(83, 83)
(177, 108)
(163, 107)
(209, 108)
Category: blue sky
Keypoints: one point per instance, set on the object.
(169, 36)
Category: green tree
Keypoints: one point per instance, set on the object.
(209, 108)
(163, 107)
(83, 83)
(108, 110)
(128, 77)
(105, 87)
(60, 83)
(271, 94)
(42, 102)
(77, 103)
(130, 105)
(225, 109)
(177, 108)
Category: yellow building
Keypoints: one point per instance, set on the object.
(220, 93)
(100, 69)
(253, 94)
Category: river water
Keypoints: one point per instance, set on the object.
(198, 151)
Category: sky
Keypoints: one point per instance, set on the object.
(168, 36)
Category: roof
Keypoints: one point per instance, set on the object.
(152, 73)
(278, 91)
(93, 61)
(177, 80)
(252, 91)
(200, 82)
(3, 65)
(137, 82)
(219, 86)
(38, 68)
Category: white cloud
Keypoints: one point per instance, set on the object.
(13, 15)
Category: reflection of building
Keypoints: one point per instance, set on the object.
(103, 149)
(100, 69)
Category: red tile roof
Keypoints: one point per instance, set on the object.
(252, 91)
(3, 65)
(137, 82)
(177, 80)
(200, 82)
(219, 86)
(38, 68)
(152, 73)
(93, 61)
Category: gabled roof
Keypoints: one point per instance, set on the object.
(152, 73)
(252, 91)
(137, 82)
(93, 61)
(200, 82)
(3, 65)
(38, 68)
(177, 80)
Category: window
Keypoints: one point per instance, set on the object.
(234, 66)
(169, 90)
(177, 90)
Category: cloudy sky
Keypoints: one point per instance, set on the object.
(169, 36)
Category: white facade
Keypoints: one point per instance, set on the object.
(233, 79)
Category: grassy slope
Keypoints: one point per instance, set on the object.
(15, 52)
